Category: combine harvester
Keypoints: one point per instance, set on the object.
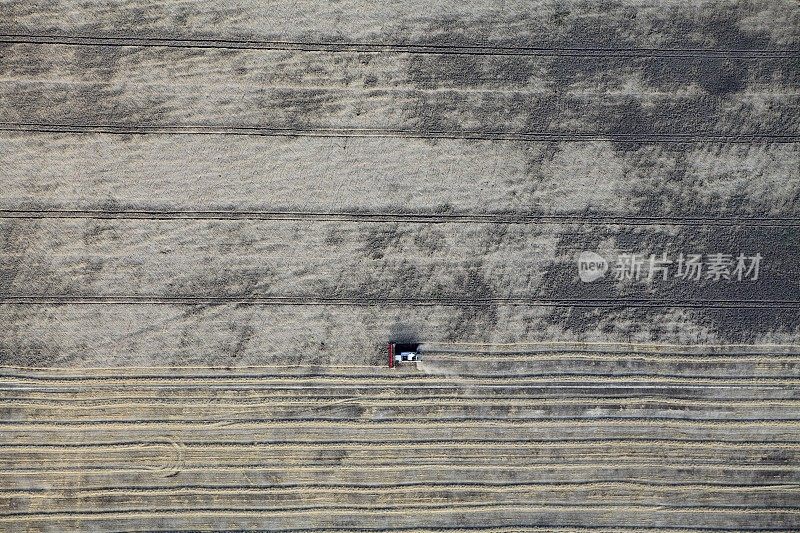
(402, 353)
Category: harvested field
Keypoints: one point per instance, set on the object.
(628, 440)
(214, 216)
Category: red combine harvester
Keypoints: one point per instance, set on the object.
(402, 353)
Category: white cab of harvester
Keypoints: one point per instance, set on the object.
(402, 353)
(405, 357)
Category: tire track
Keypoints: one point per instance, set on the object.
(360, 389)
(459, 443)
(646, 138)
(433, 49)
(475, 529)
(415, 424)
(454, 301)
(660, 509)
(400, 217)
(524, 528)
